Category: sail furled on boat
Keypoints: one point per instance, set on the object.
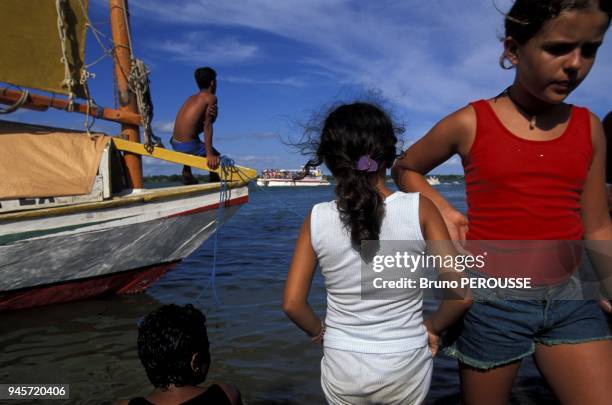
(35, 163)
(31, 44)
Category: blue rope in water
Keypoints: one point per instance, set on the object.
(227, 166)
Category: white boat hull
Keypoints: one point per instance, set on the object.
(94, 245)
(291, 183)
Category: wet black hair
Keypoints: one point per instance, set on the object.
(167, 340)
(204, 77)
(526, 17)
(349, 132)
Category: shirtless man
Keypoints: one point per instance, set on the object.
(195, 116)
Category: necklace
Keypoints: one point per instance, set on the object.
(532, 120)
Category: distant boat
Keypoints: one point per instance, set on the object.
(291, 178)
(433, 180)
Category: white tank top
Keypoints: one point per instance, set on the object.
(368, 326)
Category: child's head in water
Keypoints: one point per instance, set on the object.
(357, 143)
(173, 346)
(553, 44)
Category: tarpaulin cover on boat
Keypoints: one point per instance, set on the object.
(50, 164)
(30, 43)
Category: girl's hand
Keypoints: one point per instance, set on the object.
(318, 339)
(606, 305)
(433, 339)
(457, 224)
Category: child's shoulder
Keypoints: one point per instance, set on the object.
(459, 124)
(325, 206)
(402, 199)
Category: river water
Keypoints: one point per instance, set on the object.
(91, 345)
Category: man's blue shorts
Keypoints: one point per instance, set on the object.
(497, 331)
(193, 147)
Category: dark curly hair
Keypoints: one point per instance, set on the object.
(204, 76)
(167, 340)
(526, 17)
(349, 132)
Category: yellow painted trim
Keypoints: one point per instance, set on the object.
(243, 174)
(150, 195)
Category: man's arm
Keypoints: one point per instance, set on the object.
(213, 161)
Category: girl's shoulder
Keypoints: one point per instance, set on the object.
(403, 195)
(401, 201)
(323, 209)
(457, 129)
(324, 205)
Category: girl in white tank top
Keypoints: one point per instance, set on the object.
(375, 350)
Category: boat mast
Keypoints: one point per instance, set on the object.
(127, 100)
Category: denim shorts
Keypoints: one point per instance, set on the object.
(497, 331)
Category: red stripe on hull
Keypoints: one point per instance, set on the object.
(132, 281)
(233, 201)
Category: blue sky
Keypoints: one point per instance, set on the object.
(280, 61)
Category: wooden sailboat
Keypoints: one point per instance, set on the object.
(61, 241)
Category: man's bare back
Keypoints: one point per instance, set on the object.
(191, 118)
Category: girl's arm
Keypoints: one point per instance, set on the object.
(456, 301)
(297, 286)
(454, 134)
(595, 215)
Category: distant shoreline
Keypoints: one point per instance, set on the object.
(177, 178)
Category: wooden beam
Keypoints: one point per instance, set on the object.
(243, 173)
(41, 103)
(122, 56)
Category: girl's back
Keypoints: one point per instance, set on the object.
(375, 350)
(367, 325)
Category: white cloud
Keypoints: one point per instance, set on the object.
(428, 57)
(253, 136)
(166, 127)
(288, 81)
(202, 48)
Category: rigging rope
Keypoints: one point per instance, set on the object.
(139, 84)
(227, 166)
(68, 81)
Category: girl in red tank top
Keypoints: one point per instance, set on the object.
(534, 170)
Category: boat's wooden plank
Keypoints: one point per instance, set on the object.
(148, 196)
(244, 173)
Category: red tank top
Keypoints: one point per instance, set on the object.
(518, 189)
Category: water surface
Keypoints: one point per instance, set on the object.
(92, 344)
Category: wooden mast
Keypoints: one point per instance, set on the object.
(127, 100)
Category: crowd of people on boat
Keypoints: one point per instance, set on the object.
(278, 174)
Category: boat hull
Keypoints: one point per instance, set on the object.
(128, 282)
(291, 183)
(81, 254)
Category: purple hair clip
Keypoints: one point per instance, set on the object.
(366, 164)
